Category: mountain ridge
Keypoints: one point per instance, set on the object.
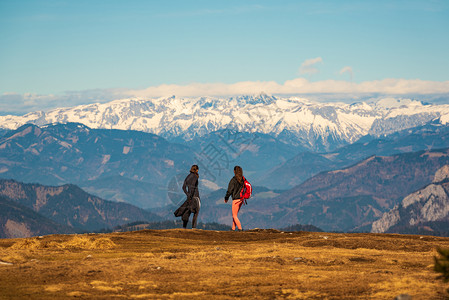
(425, 210)
(298, 121)
(70, 206)
(74, 153)
(18, 221)
(306, 164)
(350, 199)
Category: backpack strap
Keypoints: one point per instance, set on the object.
(243, 187)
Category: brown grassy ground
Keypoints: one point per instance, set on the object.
(196, 264)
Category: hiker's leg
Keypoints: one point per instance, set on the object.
(236, 204)
(233, 217)
(195, 216)
(196, 207)
(240, 206)
(185, 218)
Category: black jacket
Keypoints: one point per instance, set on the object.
(234, 189)
(189, 206)
(190, 186)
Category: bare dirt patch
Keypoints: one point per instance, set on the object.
(196, 264)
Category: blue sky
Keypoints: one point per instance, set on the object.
(60, 47)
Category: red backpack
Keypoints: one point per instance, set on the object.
(246, 190)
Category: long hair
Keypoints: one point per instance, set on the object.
(194, 169)
(238, 173)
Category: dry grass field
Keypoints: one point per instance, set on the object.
(197, 264)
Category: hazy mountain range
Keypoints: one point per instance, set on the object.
(31, 209)
(137, 167)
(348, 199)
(306, 164)
(100, 160)
(336, 166)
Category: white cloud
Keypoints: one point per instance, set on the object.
(312, 61)
(309, 66)
(297, 86)
(11, 103)
(348, 70)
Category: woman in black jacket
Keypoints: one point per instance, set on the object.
(192, 204)
(234, 188)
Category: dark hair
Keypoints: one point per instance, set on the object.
(194, 169)
(238, 173)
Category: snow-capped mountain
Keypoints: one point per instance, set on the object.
(298, 121)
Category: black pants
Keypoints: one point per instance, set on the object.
(194, 208)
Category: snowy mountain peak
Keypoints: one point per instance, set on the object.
(298, 121)
(261, 98)
(389, 103)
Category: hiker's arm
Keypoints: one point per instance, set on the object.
(184, 186)
(187, 188)
(193, 187)
(230, 189)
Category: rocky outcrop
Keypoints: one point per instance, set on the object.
(15, 229)
(429, 204)
(442, 174)
(387, 220)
